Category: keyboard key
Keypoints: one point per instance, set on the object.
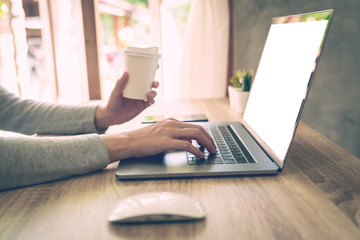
(217, 160)
(229, 161)
(193, 161)
(205, 161)
(228, 151)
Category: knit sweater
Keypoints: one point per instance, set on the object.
(26, 159)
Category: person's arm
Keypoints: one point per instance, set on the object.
(27, 160)
(119, 109)
(30, 117)
(162, 136)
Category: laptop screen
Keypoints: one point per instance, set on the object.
(282, 80)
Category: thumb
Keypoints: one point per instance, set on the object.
(120, 84)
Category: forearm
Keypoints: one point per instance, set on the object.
(29, 160)
(51, 119)
(29, 117)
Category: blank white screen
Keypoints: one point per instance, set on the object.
(281, 81)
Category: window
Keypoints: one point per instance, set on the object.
(43, 56)
(141, 23)
(122, 23)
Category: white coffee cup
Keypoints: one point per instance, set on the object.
(141, 64)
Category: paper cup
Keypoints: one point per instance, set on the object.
(141, 64)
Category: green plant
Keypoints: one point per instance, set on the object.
(3, 8)
(242, 79)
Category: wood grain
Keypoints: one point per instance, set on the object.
(315, 197)
(92, 50)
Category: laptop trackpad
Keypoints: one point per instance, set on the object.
(175, 159)
(156, 163)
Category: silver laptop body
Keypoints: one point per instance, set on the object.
(258, 144)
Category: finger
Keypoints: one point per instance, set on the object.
(198, 135)
(187, 146)
(188, 125)
(171, 119)
(187, 139)
(155, 84)
(179, 124)
(151, 95)
(149, 102)
(120, 83)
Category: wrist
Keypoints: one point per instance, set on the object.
(101, 120)
(118, 145)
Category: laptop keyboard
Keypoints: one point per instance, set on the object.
(228, 150)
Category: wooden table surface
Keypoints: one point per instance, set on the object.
(317, 196)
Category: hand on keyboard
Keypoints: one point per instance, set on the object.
(228, 151)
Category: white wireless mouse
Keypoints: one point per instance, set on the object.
(157, 207)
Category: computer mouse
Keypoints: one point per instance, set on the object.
(157, 207)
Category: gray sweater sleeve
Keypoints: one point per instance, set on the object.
(29, 117)
(27, 160)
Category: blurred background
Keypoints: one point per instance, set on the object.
(48, 42)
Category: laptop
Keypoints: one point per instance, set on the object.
(259, 143)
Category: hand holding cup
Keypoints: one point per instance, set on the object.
(141, 65)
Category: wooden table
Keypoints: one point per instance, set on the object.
(317, 196)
